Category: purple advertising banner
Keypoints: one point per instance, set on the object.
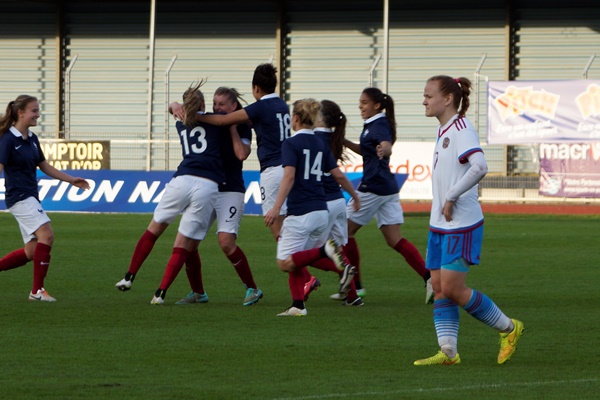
(570, 170)
(522, 112)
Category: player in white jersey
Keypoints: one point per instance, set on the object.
(456, 223)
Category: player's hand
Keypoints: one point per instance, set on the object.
(177, 111)
(447, 210)
(80, 183)
(271, 216)
(379, 150)
(356, 204)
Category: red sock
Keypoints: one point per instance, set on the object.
(296, 282)
(142, 250)
(351, 251)
(41, 262)
(12, 260)
(178, 258)
(307, 275)
(305, 257)
(240, 263)
(325, 264)
(193, 270)
(412, 256)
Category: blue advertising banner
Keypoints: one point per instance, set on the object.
(131, 191)
(522, 112)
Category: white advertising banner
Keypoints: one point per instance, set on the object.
(524, 112)
(412, 158)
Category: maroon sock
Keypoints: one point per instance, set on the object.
(351, 251)
(306, 257)
(174, 265)
(14, 259)
(307, 275)
(142, 250)
(240, 263)
(41, 262)
(296, 282)
(193, 270)
(412, 256)
(325, 264)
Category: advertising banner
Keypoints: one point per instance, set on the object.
(70, 154)
(525, 112)
(570, 170)
(131, 191)
(412, 159)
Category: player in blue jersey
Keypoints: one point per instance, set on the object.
(456, 223)
(306, 159)
(378, 188)
(331, 128)
(163, 216)
(229, 207)
(270, 118)
(20, 156)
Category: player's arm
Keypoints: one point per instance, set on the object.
(478, 169)
(289, 173)
(341, 178)
(355, 147)
(384, 149)
(241, 147)
(236, 117)
(52, 172)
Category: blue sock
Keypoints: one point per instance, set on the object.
(446, 321)
(485, 310)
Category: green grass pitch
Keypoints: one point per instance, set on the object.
(99, 343)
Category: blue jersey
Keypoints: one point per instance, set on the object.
(332, 188)
(20, 158)
(201, 150)
(377, 177)
(311, 157)
(234, 179)
(271, 121)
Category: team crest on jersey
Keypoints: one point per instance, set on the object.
(365, 133)
(446, 143)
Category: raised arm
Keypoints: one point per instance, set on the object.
(236, 117)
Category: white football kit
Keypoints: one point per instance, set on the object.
(456, 141)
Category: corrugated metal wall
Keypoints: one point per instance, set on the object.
(28, 58)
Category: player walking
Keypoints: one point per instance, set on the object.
(456, 223)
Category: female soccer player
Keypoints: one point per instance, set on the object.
(270, 119)
(306, 159)
(229, 207)
(456, 223)
(20, 156)
(194, 189)
(331, 128)
(378, 189)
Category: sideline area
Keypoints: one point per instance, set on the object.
(517, 208)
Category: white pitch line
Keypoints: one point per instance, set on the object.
(438, 389)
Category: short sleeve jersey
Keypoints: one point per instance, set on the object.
(332, 188)
(455, 142)
(20, 158)
(271, 121)
(311, 158)
(377, 177)
(201, 150)
(234, 179)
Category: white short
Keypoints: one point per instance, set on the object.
(192, 196)
(229, 209)
(302, 232)
(337, 227)
(270, 179)
(30, 216)
(386, 209)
